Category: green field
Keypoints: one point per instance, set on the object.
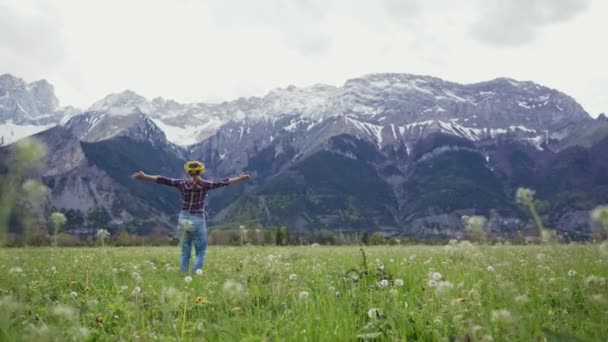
(478, 293)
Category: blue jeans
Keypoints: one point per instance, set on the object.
(192, 230)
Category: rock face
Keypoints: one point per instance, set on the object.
(395, 153)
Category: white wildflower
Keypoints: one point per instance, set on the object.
(399, 282)
(293, 276)
(303, 294)
(571, 273)
(490, 269)
(383, 283)
(188, 279)
(436, 276)
(73, 294)
(433, 283)
(136, 290)
(199, 272)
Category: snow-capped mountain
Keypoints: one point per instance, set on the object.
(28, 108)
(385, 105)
(383, 151)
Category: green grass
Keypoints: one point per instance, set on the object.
(246, 294)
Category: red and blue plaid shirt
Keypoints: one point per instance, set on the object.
(193, 193)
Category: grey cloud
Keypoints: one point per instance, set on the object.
(517, 22)
(309, 44)
(34, 38)
(403, 11)
(299, 22)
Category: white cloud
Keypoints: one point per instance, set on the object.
(218, 50)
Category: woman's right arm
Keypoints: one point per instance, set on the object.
(142, 175)
(158, 179)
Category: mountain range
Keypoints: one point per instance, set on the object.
(399, 154)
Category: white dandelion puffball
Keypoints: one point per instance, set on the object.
(188, 279)
(293, 276)
(124, 288)
(199, 272)
(490, 269)
(58, 219)
(524, 196)
(103, 234)
(398, 282)
(137, 290)
(436, 276)
(603, 247)
(522, 299)
(501, 316)
(233, 288)
(433, 283)
(600, 215)
(571, 273)
(374, 313)
(383, 283)
(73, 294)
(444, 286)
(303, 295)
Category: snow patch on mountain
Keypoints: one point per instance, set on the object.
(11, 132)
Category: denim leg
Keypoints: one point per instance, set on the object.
(184, 229)
(200, 243)
(186, 251)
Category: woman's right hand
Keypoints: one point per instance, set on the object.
(138, 175)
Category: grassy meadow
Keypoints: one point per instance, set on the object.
(458, 292)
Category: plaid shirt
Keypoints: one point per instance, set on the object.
(193, 194)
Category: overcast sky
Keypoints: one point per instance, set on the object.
(196, 50)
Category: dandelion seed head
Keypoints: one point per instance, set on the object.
(136, 290)
(58, 219)
(73, 294)
(490, 269)
(524, 196)
(603, 248)
(571, 273)
(522, 299)
(398, 282)
(383, 283)
(595, 280)
(103, 234)
(293, 276)
(199, 272)
(63, 310)
(444, 287)
(433, 283)
(188, 279)
(600, 215)
(436, 276)
(374, 313)
(233, 288)
(303, 294)
(17, 270)
(502, 315)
